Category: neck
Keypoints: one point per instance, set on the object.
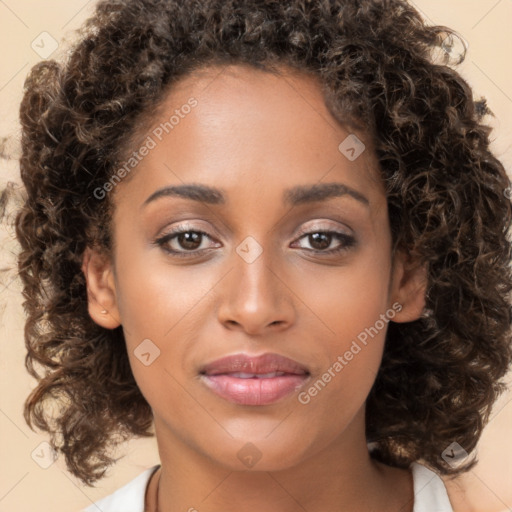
(345, 473)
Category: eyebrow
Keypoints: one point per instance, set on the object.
(300, 194)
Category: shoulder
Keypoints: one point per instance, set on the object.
(129, 498)
(430, 493)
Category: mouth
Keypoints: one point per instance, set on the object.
(248, 380)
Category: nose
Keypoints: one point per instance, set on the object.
(254, 297)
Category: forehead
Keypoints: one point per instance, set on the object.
(280, 96)
(249, 124)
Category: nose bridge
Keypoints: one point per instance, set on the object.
(255, 297)
(253, 270)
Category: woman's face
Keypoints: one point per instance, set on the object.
(275, 170)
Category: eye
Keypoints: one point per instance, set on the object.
(322, 240)
(186, 242)
(182, 242)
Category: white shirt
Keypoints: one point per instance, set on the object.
(429, 493)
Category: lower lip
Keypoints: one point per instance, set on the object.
(254, 391)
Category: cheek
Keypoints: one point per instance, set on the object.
(352, 316)
(154, 297)
(161, 308)
(352, 357)
(347, 300)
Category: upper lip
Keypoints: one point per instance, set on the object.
(265, 363)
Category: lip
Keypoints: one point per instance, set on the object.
(265, 363)
(223, 378)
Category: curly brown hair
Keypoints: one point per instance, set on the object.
(381, 71)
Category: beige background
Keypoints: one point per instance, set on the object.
(24, 484)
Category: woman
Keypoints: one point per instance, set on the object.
(277, 231)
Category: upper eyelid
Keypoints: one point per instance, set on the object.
(317, 225)
(168, 237)
(173, 233)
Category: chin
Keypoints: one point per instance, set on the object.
(260, 454)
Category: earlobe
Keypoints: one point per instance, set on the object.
(101, 292)
(409, 287)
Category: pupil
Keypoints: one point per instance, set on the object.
(187, 239)
(316, 236)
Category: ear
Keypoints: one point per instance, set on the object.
(408, 287)
(101, 292)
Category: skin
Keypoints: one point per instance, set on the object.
(254, 134)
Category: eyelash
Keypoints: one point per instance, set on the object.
(347, 242)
